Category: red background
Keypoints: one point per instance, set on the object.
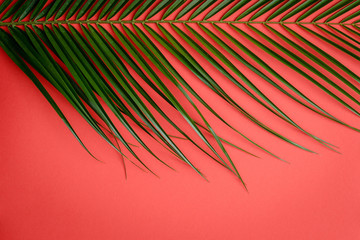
(50, 188)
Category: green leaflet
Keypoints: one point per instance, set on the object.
(266, 8)
(252, 8)
(116, 8)
(191, 5)
(85, 8)
(235, 8)
(147, 4)
(131, 8)
(96, 8)
(158, 8)
(174, 6)
(202, 8)
(282, 9)
(74, 8)
(218, 8)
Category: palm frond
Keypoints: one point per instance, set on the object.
(103, 55)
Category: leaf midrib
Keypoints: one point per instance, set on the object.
(17, 23)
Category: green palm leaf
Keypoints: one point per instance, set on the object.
(102, 55)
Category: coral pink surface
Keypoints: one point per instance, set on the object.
(50, 188)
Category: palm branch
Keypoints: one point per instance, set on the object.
(99, 54)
